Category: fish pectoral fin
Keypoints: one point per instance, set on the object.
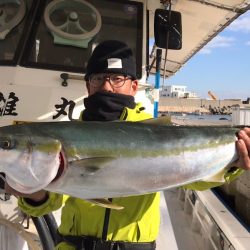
(163, 120)
(91, 165)
(218, 177)
(105, 203)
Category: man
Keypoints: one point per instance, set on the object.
(112, 85)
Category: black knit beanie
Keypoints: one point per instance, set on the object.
(111, 57)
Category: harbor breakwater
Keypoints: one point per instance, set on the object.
(184, 105)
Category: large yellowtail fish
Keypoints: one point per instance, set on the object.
(112, 159)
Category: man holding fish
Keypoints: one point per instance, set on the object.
(112, 84)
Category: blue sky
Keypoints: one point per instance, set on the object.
(222, 66)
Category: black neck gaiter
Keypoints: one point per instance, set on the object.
(106, 106)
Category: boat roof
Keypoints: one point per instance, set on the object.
(202, 20)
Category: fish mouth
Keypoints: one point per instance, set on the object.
(62, 166)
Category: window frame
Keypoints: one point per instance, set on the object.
(29, 41)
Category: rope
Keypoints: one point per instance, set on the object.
(16, 227)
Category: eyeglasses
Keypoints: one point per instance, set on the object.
(115, 80)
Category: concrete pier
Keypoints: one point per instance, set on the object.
(186, 105)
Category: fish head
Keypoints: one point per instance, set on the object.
(30, 163)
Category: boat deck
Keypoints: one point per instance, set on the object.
(189, 221)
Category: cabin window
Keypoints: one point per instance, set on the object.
(13, 26)
(120, 20)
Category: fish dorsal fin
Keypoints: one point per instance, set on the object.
(105, 203)
(163, 120)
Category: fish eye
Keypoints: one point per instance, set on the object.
(7, 144)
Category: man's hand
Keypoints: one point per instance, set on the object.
(243, 147)
(36, 197)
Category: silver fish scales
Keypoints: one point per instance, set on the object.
(112, 159)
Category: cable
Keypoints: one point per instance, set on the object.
(44, 233)
(52, 225)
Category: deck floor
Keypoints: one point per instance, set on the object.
(175, 232)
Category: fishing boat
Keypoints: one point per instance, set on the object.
(44, 48)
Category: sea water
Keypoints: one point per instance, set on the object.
(203, 117)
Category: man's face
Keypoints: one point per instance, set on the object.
(114, 83)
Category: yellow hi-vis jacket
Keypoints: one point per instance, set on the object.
(137, 222)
